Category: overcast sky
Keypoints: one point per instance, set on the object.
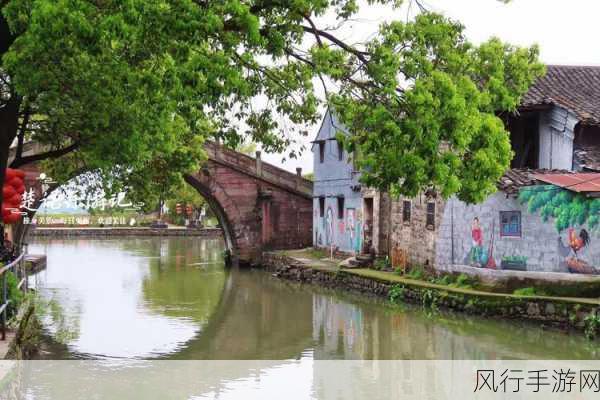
(567, 31)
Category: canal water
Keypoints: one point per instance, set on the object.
(173, 299)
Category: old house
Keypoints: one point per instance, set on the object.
(544, 216)
(346, 217)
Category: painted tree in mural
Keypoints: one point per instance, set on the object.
(567, 208)
(111, 86)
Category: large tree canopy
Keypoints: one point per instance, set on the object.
(132, 88)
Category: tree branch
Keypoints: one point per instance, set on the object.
(322, 34)
(19, 162)
(21, 133)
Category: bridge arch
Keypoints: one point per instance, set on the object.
(215, 198)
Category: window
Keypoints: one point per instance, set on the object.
(406, 204)
(510, 223)
(340, 204)
(340, 147)
(321, 152)
(321, 206)
(430, 221)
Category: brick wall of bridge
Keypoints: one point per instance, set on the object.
(265, 207)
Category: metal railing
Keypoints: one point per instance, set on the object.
(17, 267)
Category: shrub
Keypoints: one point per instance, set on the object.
(382, 263)
(417, 272)
(528, 291)
(592, 326)
(465, 281)
(396, 293)
(14, 294)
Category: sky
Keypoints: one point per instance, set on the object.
(567, 31)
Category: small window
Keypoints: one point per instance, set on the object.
(340, 204)
(340, 147)
(321, 206)
(406, 204)
(430, 221)
(510, 223)
(321, 152)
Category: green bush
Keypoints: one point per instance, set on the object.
(417, 272)
(396, 293)
(528, 291)
(382, 263)
(592, 326)
(445, 280)
(465, 281)
(14, 294)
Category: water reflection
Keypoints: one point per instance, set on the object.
(134, 298)
(173, 299)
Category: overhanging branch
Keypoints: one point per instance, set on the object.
(19, 162)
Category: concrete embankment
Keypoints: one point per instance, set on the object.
(580, 314)
(105, 232)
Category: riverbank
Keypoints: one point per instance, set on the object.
(111, 231)
(568, 313)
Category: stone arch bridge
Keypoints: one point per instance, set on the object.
(259, 206)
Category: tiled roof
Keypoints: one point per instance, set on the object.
(516, 178)
(575, 88)
(587, 158)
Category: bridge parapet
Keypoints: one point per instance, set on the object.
(259, 169)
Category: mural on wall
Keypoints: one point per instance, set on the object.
(476, 255)
(328, 226)
(354, 228)
(571, 251)
(571, 211)
(479, 256)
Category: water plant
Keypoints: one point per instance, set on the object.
(396, 293)
(592, 326)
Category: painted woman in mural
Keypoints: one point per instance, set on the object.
(477, 255)
(328, 221)
(350, 225)
(354, 228)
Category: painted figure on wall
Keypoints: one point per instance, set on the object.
(358, 232)
(477, 256)
(350, 225)
(328, 226)
(571, 252)
(354, 228)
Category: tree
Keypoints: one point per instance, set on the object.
(567, 208)
(120, 88)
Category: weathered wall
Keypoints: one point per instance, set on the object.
(557, 128)
(414, 237)
(335, 178)
(378, 231)
(544, 248)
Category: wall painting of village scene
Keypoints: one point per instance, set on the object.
(574, 218)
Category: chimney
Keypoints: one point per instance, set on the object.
(299, 171)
